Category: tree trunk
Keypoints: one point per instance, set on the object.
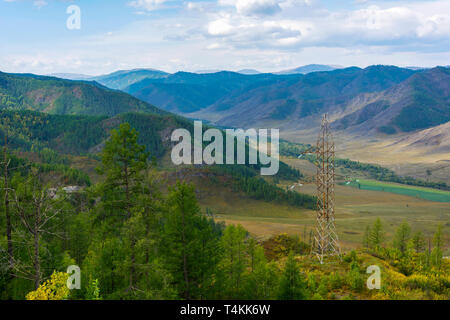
(6, 203)
(147, 233)
(185, 270)
(127, 193)
(133, 263)
(37, 264)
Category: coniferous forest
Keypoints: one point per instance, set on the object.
(134, 236)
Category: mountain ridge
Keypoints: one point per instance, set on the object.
(288, 103)
(60, 96)
(309, 68)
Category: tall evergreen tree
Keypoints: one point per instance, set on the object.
(123, 164)
(234, 261)
(401, 237)
(189, 242)
(293, 283)
(366, 237)
(376, 234)
(123, 161)
(418, 242)
(436, 254)
(261, 281)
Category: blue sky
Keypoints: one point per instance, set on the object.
(191, 35)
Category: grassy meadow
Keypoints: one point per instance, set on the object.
(355, 209)
(413, 191)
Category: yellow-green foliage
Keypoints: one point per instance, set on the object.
(53, 289)
(346, 278)
(436, 283)
(280, 245)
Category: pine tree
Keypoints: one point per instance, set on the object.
(234, 261)
(377, 234)
(262, 280)
(436, 254)
(189, 242)
(293, 283)
(418, 242)
(401, 237)
(123, 161)
(366, 237)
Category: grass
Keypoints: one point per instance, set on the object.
(355, 209)
(413, 191)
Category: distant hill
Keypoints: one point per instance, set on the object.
(185, 92)
(308, 69)
(297, 103)
(243, 71)
(116, 80)
(435, 140)
(124, 78)
(58, 96)
(70, 76)
(421, 101)
(208, 71)
(248, 71)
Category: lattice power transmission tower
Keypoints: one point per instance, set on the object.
(326, 239)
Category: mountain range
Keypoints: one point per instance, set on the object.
(371, 101)
(123, 78)
(374, 100)
(378, 108)
(309, 68)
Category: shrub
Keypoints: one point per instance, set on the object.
(53, 289)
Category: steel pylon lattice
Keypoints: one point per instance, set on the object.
(325, 239)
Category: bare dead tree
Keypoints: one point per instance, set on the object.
(6, 163)
(35, 207)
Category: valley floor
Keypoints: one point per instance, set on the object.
(355, 209)
(421, 154)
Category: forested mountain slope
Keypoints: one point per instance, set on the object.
(78, 135)
(58, 96)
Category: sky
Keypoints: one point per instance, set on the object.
(38, 36)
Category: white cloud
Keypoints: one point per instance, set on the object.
(220, 27)
(399, 27)
(263, 7)
(257, 7)
(147, 4)
(237, 34)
